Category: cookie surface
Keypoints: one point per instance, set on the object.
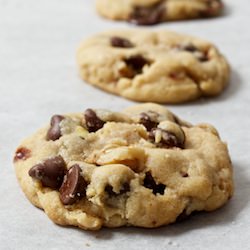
(149, 12)
(143, 167)
(162, 66)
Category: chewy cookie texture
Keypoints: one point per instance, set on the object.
(162, 66)
(141, 167)
(149, 12)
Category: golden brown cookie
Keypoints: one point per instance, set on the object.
(142, 167)
(146, 66)
(149, 12)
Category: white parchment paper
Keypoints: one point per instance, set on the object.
(38, 78)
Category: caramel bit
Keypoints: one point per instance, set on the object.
(22, 154)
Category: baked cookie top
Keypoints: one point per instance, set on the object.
(143, 167)
(149, 12)
(161, 66)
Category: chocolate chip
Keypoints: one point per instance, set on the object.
(109, 190)
(125, 188)
(200, 55)
(93, 122)
(148, 15)
(135, 65)
(203, 57)
(120, 42)
(50, 172)
(73, 187)
(22, 154)
(214, 7)
(168, 139)
(54, 132)
(184, 174)
(189, 47)
(146, 121)
(136, 62)
(150, 183)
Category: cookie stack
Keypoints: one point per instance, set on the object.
(143, 166)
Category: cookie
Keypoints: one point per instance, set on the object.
(142, 167)
(162, 67)
(149, 12)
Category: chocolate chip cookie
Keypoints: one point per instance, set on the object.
(162, 66)
(149, 12)
(142, 167)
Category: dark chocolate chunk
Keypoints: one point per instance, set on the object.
(125, 188)
(184, 174)
(168, 139)
(203, 57)
(189, 47)
(136, 62)
(199, 54)
(135, 65)
(148, 15)
(22, 154)
(147, 122)
(93, 122)
(73, 187)
(50, 172)
(150, 183)
(54, 132)
(109, 190)
(214, 7)
(121, 42)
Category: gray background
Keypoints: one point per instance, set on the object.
(38, 78)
